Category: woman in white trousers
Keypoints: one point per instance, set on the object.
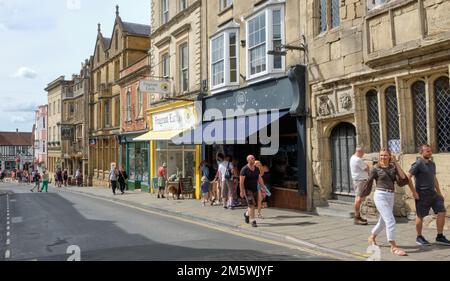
(385, 173)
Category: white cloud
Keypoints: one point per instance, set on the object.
(3, 27)
(25, 72)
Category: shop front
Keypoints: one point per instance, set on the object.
(167, 122)
(137, 159)
(266, 120)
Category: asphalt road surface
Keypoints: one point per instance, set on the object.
(42, 227)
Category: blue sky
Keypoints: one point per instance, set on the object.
(42, 40)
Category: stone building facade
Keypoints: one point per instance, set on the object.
(255, 50)
(378, 74)
(55, 91)
(134, 155)
(128, 44)
(178, 46)
(75, 118)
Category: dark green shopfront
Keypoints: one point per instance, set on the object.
(135, 158)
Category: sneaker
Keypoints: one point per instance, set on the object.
(359, 221)
(442, 241)
(420, 240)
(159, 196)
(254, 224)
(247, 218)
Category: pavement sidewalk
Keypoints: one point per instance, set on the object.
(332, 236)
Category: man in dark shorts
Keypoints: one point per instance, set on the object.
(429, 193)
(249, 179)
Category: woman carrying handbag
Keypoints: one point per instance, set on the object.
(386, 173)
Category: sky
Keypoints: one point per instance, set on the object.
(42, 40)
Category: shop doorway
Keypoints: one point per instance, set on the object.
(343, 144)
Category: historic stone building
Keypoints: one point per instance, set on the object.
(255, 57)
(134, 155)
(128, 44)
(55, 91)
(378, 74)
(75, 118)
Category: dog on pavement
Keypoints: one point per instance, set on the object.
(171, 189)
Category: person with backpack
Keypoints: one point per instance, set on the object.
(226, 182)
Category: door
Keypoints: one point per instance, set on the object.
(343, 142)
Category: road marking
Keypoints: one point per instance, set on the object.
(7, 228)
(7, 222)
(8, 241)
(232, 232)
(7, 254)
(7, 233)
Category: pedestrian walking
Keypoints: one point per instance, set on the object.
(226, 182)
(59, 177)
(162, 180)
(78, 177)
(386, 173)
(263, 191)
(235, 172)
(113, 176)
(249, 180)
(44, 181)
(123, 177)
(205, 190)
(360, 176)
(428, 195)
(65, 177)
(37, 184)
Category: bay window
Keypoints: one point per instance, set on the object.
(224, 59)
(265, 32)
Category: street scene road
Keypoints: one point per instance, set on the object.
(44, 225)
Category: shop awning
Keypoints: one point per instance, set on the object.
(158, 135)
(228, 131)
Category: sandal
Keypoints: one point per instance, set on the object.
(398, 252)
(372, 241)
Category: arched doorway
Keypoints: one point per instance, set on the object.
(343, 144)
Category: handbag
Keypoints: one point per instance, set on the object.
(367, 188)
(402, 182)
